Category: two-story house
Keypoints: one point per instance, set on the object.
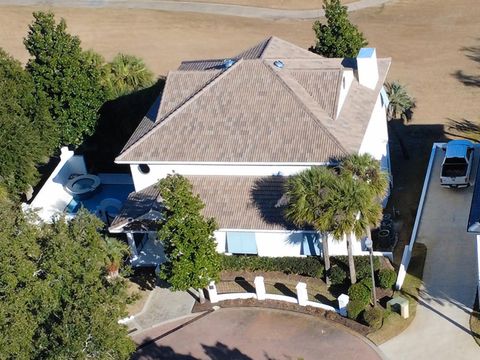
(237, 127)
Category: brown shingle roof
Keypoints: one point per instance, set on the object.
(244, 202)
(255, 112)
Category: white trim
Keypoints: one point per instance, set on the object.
(220, 163)
(270, 231)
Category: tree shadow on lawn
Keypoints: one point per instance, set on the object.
(145, 278)
(473, 53)
(464, 128)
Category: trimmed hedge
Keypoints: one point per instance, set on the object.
(373, 317)
(387, 278)
(306, 266)
(359, 293)
(337, 275)
(354, 309)
(362, 265)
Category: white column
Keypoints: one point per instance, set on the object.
(478, 264)
(342, 304)
(260, 287)
(131, 243)
(302, 294)
(212, 292)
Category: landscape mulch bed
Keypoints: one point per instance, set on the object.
(280, 305)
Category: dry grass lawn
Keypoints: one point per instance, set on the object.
(424, 38)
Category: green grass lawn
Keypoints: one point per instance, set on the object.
(394, 324)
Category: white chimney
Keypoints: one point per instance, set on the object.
(367, 67)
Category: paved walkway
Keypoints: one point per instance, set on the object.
(162, 305)
(441, 329)
(185, 6)
(250, 333)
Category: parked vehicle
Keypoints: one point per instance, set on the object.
(457, 164)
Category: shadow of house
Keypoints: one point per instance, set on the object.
(410, 148)
(117, 122)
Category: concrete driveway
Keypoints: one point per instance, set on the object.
(441, 329)
(250, 333)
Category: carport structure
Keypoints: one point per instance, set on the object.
(441, 327)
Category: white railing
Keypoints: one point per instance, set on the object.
(261, 294)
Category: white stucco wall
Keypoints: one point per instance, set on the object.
(375, 140)
(159, 171)
(52, 198)
(347, 79)
(287, 243)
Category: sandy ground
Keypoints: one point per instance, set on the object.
(424, 38)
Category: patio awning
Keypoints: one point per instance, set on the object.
(241, 242)
(310, 245)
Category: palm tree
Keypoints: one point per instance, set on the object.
(127, 73)
(367, 169)
(114, 254)
(308, 193)
(352, 209)
(400, 103)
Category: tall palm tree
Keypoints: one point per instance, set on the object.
(308, 194)
(352, 209)
(400, 102)
(367, 169)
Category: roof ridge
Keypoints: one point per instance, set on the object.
(306, 107)
(188, 100)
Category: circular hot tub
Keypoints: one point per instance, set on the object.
(82, 187)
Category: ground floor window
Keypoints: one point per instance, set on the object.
(241, 242)
(310, 244)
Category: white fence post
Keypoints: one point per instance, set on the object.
(478, 264)
(260, 288)
(342, 304)
(212, 292)
(302, 294)
(402, 271)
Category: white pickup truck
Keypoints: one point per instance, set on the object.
(457, 164)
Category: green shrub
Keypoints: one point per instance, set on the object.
(309, 266)
(362, 265)
(373, 317)
(387, 278)
(354, 309)
(359, 293)
(367, 282)
(337, 275)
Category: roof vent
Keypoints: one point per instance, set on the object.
(279, 64)
(228, 63)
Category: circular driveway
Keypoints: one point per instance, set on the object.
(252, 333)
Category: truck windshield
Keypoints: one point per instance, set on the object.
(455, 161)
